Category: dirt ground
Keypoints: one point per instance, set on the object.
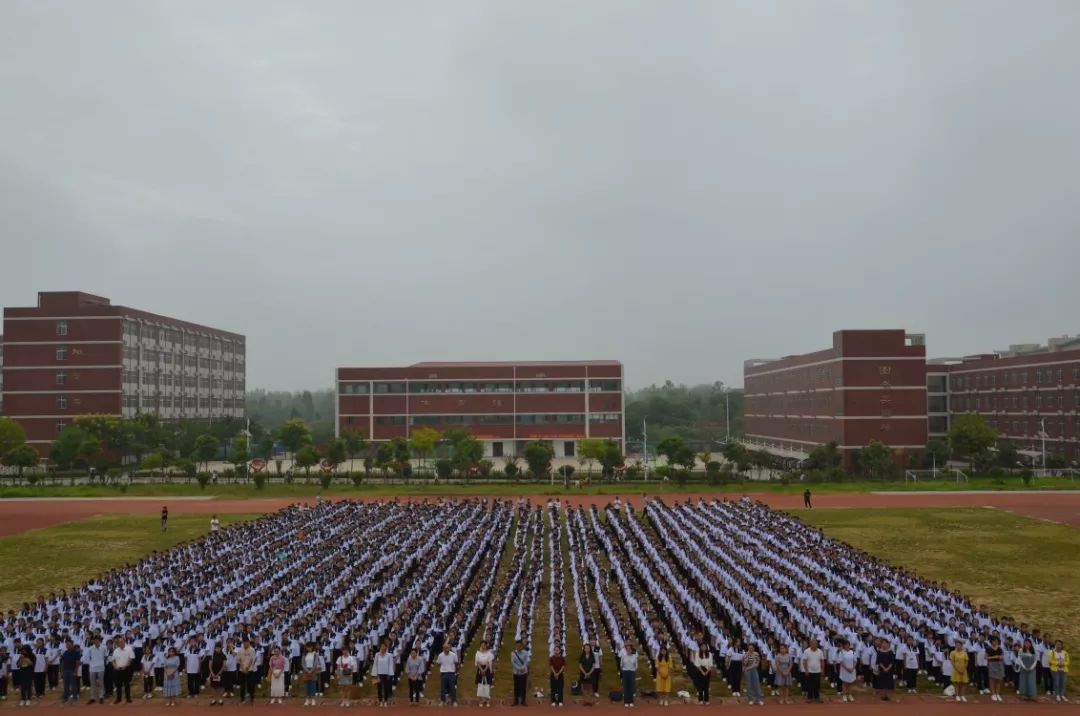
(22, 515)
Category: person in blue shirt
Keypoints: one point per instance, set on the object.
(70, 671)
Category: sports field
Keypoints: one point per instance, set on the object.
(1023, 567)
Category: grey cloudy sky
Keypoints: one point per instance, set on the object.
(679, 185)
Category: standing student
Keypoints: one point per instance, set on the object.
(806, 499)
(346, 667)
(24, 674)
(122, 659)
(1025, 664)
(40, 668)
(414, 672)
(164, 518)
(485, 674)
(310, 671)
(628, 661)
(215, 524)
(557, 668)
(95, 658)
(217, 674)
(704, 663)
(589, 670)
(885, 660)
(1059, 670)
(663, 675)
(70, 666)
(733, 663)
(995, 667)
(53, 650)
(228, 678)
(278, 664)
(382, 671)
(5, 667)
(193, 659)
(752, 676)
(958, 659)
(782, 666)
(245, 671)
(448, 663)
(519, 665)
(911, 665)
(147, 667)
(846, 668)
(813, 661)
(171, 689)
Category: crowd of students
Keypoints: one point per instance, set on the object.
(727, 592)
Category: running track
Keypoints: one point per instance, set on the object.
(22, 514)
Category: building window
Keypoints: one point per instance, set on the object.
(61, 328)
(61, 402)
(61, 353)
(568, 448)
(496, 449)
(61, 378)
(60, 425)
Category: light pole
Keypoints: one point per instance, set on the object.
(645, 445)
(727, 413)
(1042, 434)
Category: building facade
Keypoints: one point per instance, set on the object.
(870, 385)
(76, 354)
(1028, 393)
(504, 405)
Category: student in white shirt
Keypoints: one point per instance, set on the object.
(122, 660)
(346, 668)
(485, 673)
(448, 663)
(813, 661)
(382, 671)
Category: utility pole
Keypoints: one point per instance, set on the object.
(1042, 434)
(727, 413)
(645, 445)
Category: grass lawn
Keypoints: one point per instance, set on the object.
(1020, 567)
(65, 556)
(381, 489)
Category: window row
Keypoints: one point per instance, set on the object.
(1013, 378)
(447, 420)
(1015, 402)
(401, 387)
(167, 402)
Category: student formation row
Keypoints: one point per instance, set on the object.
(692, 583)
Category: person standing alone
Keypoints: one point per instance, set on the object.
(519, 663)
(164, 518)
(806, 499)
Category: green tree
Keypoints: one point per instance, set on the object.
(876, 461)
(112, 433)
(294, 434)
(336, 452)
(761, 459)
(672, 448)
(424, 441)
(12, 435)
(153, 462)
(206, 449)
(355, 444)
(21, 456)
(610, 457)
(937, 453)
(65, 449)
(468, 452)
(737, 454)
(89, 450)
(1008, 456)
(538, 455)
(824, 457)
(266, 448)
(970, 437)
(238, 454)
(591, 450)
(307, 457)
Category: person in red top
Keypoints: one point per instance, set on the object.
(164, 518)
(558, 667)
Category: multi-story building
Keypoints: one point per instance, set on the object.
(1, 375)
(1028, 393)
(870, 385)
(77, 354)
(504, 405)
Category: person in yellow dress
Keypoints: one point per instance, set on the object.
(959, 659)
(663, 676)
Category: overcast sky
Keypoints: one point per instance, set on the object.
(677, 185)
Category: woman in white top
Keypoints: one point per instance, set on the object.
(704, 663)
(346, 667)
(847, 665)
(485, 674)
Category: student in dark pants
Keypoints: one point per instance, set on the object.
(519, 662)
(24, 675)
(557, 663)
(806, 499)
(70, 660)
